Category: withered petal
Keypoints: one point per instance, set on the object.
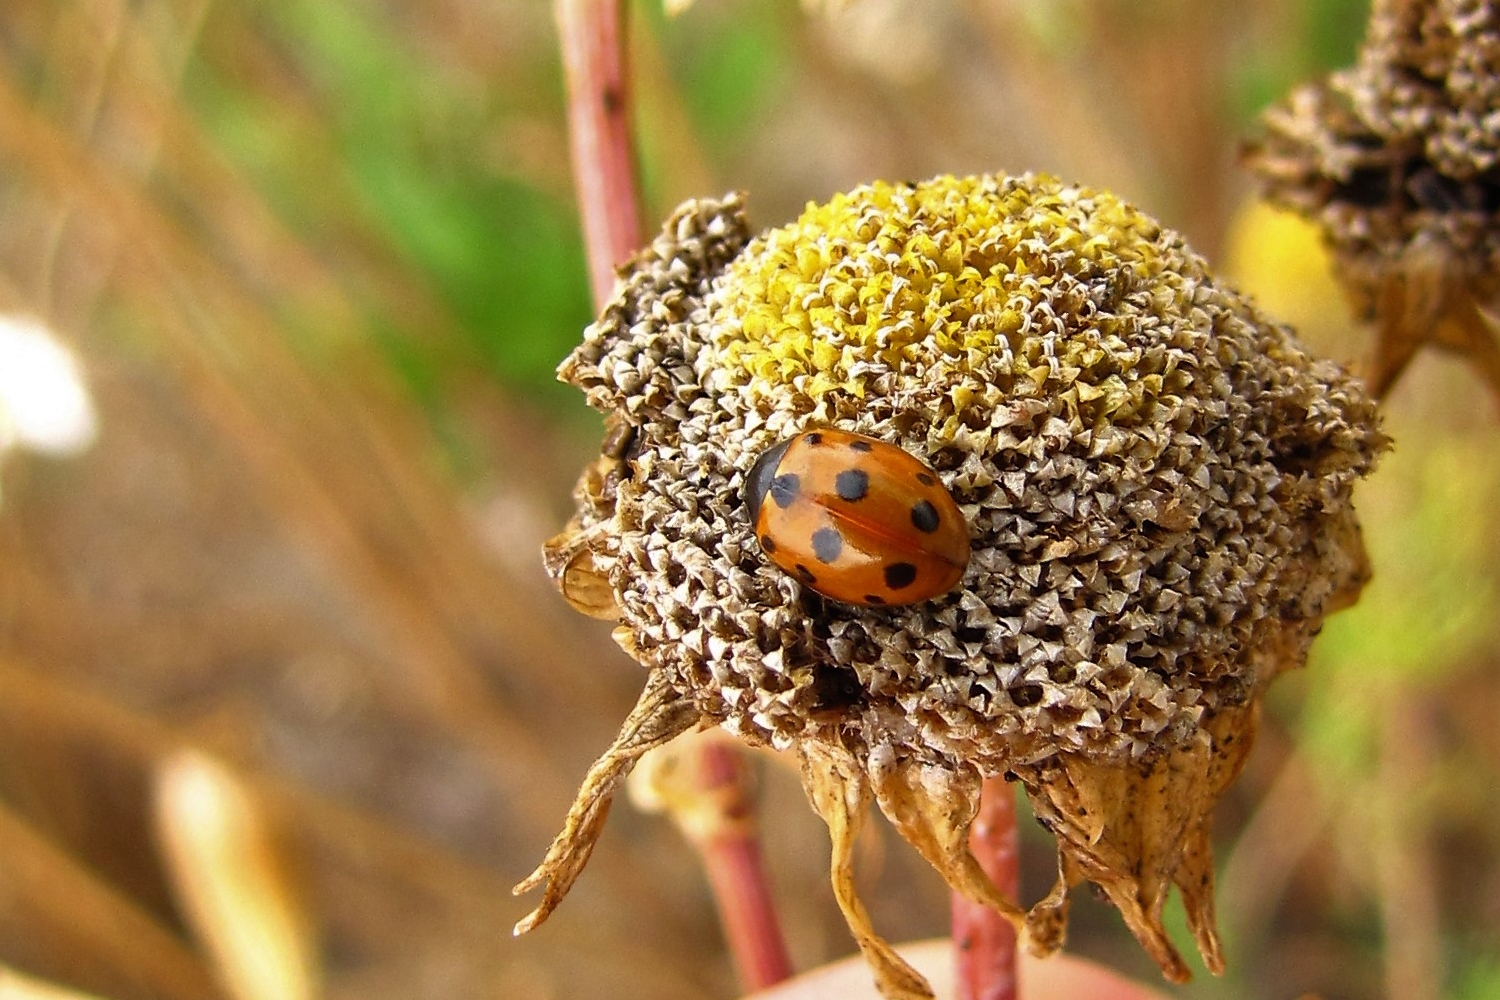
(933, 807)
(1134, 829)
(840, 793)
(659, 715)
(570, 561)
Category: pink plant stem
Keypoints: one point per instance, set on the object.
(592, 35)
(732, 858)
(985, 942)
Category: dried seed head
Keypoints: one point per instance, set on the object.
(1396, 159)
(1156, 480)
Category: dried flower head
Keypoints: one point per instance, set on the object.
(1396, 159)
(1155, 477)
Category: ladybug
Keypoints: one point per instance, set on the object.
(856, 519)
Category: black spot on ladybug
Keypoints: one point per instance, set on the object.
(925, 479)
(874, 599)
(784, 489)
(901, 574)
(852, 484)
(860, 446)
(768, 543)
(806, 575)
(924, 516)
(827, 544)
(814, 439)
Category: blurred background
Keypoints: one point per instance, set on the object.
(282, 286)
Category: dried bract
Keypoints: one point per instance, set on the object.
(1398, 160)
(1155, 477)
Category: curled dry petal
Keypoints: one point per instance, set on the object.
(1134, 831)
(659, 715)
(840, 794)
(933, 807)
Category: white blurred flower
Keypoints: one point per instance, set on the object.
(44, 404)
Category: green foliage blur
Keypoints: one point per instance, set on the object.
(425, 158)
(429, 162)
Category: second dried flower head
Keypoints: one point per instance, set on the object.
(1155, 478)
(1397, 160)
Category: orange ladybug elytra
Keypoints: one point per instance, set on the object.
(856, 519)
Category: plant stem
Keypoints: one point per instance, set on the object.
(984, 942)
(592, 35)
(732, 858)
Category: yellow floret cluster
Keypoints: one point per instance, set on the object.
(957, 267)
